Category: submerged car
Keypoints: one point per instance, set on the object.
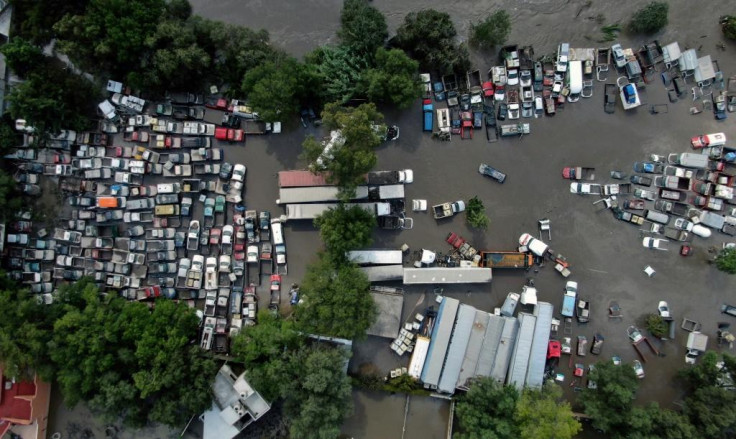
(491, 172)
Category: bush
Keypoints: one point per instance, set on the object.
(476, 214)
(492, 31)
(656, 325)
(651, 18)
(726, 260)
(728, 26)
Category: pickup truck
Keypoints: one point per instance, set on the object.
(394, 222)
(198, 129)
(673, 182)
(578, 173)
(448, 209)
(569, 299)
(585, 189)
(617, 189)
(516, 129)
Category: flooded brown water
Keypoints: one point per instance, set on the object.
(606, 255)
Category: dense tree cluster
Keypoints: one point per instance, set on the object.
(491, 31)
(650, 18)
(345, 228)
(121, 357)
(429, 37)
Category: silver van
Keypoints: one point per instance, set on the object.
(657, 217)
(509, 305)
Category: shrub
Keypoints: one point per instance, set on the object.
(651, 18)
(728, 26)
(656, 325)
(492, 31)
(726, 260)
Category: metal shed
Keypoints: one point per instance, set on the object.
(456, 351)
(538, 355)
(440, 339)
(704, 72)
(522, 350)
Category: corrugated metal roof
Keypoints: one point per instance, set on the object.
(301, 178)
(688, 60)
(671, 52)
(456, 351)
(491, 338)
(538, 355)
(443, 275)
(440, 339)
(504, 347)
(475, 344)
(522, 349)
(705, 70)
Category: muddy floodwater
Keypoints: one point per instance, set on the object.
(606, 255)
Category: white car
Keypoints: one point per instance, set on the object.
(638, 369)
(663, 309)
(239, 171)
(618, 55)
(419, 205)
(513, 77)
(654, 243)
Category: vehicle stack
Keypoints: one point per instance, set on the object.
(152, 209)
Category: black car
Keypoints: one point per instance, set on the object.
(226, 169)
(641, 180)
(597, 346)
(502, 111)
(492, 173)
(477, 119)
(231, 121)
(179, 112)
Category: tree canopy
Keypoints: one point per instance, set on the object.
(336, 300)
(429, 36)
(491, 31)
(265, 349)
(345, 228)
(486, 411)
(654, 422)
(541, 413)
(393, 80)
(352, 152)
(726, 260)
(476, 214)
(650, 18)
(318, 393)
(363, 28)
(339, 72)
(11, 201)
(611, 402)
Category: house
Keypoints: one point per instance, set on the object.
(235, 406)
(24, 407)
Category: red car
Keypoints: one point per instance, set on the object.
(553, 349)
(275, 282)
(61, 159)
(152, 292)
(488, 89)
(714, 139)
(229, 134)
(216, 104)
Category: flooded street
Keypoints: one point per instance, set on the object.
(606, 255)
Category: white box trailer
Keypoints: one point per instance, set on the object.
(316, 194)
(383, 273)
(312, 211)
(376, 257)
(447, 275)
(418, 357)
(387, 192)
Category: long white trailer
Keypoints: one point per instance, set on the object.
(314, 194)
(312, 211)
(383, 273)
(445, 275)
(376, 257)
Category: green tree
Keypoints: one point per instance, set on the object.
(610, 403)
(33, 20)
(9, 137)
(726, 260)
(11, 200)
(728, 26)
(363, 28)
(352, 152)
(654, 422)
(179, 9)
(650, 19)
(337, 301)
(541, 413)
(393, 80)
(345, 228)
(429, 36)
(491, 31)
(476, 214)
(318, 396)
(110, 35)
(486, 411)
(710, 410)
(276, 89)
(22, 56)
(656, 325)
(265, 350)
(339, 72)
(25, 330)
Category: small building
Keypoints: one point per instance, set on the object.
(235, 406)
(704, 72)
(24, 407)
(389, 303)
